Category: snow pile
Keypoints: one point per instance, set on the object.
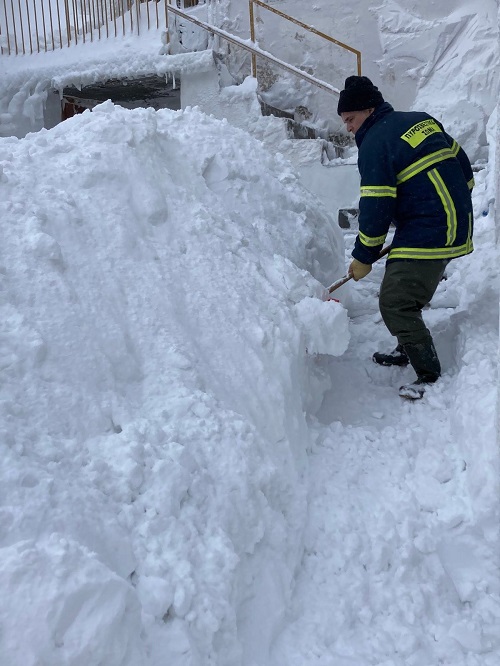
(153, 359)
(465, 52)
(318, 320)
(75, 610)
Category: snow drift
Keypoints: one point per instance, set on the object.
(153, 358)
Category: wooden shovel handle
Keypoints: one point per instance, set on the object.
(346, 278)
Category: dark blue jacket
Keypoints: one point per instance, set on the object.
(417, 176)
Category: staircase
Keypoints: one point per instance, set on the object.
(325, 160)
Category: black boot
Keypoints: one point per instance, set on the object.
(424, 360)
(397, 356)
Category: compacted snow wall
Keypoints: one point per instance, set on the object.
(157, 273)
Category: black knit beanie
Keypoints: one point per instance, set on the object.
(359, 94)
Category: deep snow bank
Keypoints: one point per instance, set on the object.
(464, 50)
(152, 367)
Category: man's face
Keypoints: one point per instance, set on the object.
(354, 119)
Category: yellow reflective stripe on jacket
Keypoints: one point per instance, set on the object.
(371, 241)
(431, 253)
(448, 205)
(424, 163)
(455, 148)
(469, 235)
(471, 183)
(378, 191)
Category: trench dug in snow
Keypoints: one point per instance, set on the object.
(398, 550)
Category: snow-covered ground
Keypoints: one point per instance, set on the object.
(201, 465)
(401, 553)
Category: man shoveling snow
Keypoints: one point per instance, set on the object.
(416, 176)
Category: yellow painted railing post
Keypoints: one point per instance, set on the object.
(309, 28)
(252, 38)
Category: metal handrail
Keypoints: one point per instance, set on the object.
(254, 49)
(310, 28)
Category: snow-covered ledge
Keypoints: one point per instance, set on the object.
(25, 104)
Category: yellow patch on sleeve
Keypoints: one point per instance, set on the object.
(416, 134)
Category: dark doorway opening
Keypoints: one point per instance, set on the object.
(148, 91)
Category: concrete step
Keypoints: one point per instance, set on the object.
(337, 142)
(318, 159)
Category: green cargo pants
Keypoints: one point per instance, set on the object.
(406, 288)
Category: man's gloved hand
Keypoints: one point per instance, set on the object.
(357, 270)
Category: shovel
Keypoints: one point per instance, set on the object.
(346, 278)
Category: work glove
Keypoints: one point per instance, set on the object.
(357, 270)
